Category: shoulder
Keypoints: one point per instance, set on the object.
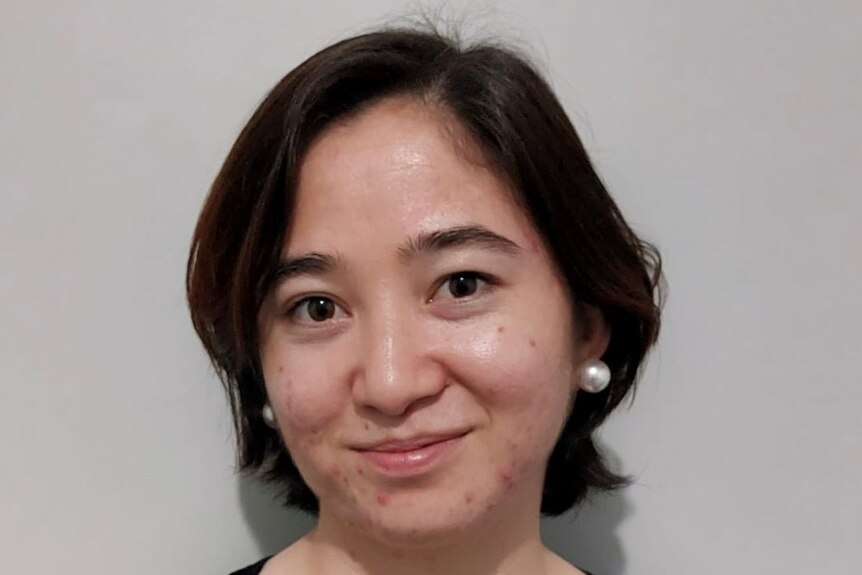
(252, 569)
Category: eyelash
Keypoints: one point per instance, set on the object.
(295, 308)
(486, 282)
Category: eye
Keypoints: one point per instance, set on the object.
(314, 309)
(462, 285)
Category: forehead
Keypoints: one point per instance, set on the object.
(401, 167)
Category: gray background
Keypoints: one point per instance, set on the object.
(730, 132)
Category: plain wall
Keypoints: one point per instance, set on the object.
(730, 132)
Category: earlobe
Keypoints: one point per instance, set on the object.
(592, 375)
(595, 335)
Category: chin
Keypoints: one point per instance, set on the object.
(426, 518)
(403, 528)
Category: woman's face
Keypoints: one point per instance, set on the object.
(418, 348)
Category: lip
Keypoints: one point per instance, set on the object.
(414, 456)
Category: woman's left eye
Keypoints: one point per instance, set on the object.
(462, 285)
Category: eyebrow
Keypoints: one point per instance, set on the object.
(318, 264)
(311, 264)
(457, 237)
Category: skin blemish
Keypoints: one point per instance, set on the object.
(382, 499)
(507, 478)
(468, 498)
(335, 471)
(365, 425)
(359, 470)
(532, 342)
(500, 329)
(280, 369)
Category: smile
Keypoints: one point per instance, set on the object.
(411, 457)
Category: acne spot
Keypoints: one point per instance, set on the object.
(507, 478)
(382, 499)
(359, 470)
(500, 329)
(468, 498)
(335, 471)
(532, 342)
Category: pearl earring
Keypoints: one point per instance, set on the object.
(268, 416)
(595, 376)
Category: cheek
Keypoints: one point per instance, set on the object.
(512, 368)
(522, 379)
(303, 393)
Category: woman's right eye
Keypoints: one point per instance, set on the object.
(315, 309)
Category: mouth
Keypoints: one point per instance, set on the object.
(413, 456)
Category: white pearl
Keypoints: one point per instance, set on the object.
(268, 416)
(596, 376)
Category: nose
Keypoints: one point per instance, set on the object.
(396, 369)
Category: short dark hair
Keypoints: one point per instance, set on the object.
(510, 112)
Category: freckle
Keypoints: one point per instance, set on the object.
(500, 329)
(532, 342)
(382, 499)
(280, 369)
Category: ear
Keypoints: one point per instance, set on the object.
(594, 334)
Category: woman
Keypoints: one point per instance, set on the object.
(422, 302)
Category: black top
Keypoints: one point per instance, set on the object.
(255, 569)
(252, 569)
